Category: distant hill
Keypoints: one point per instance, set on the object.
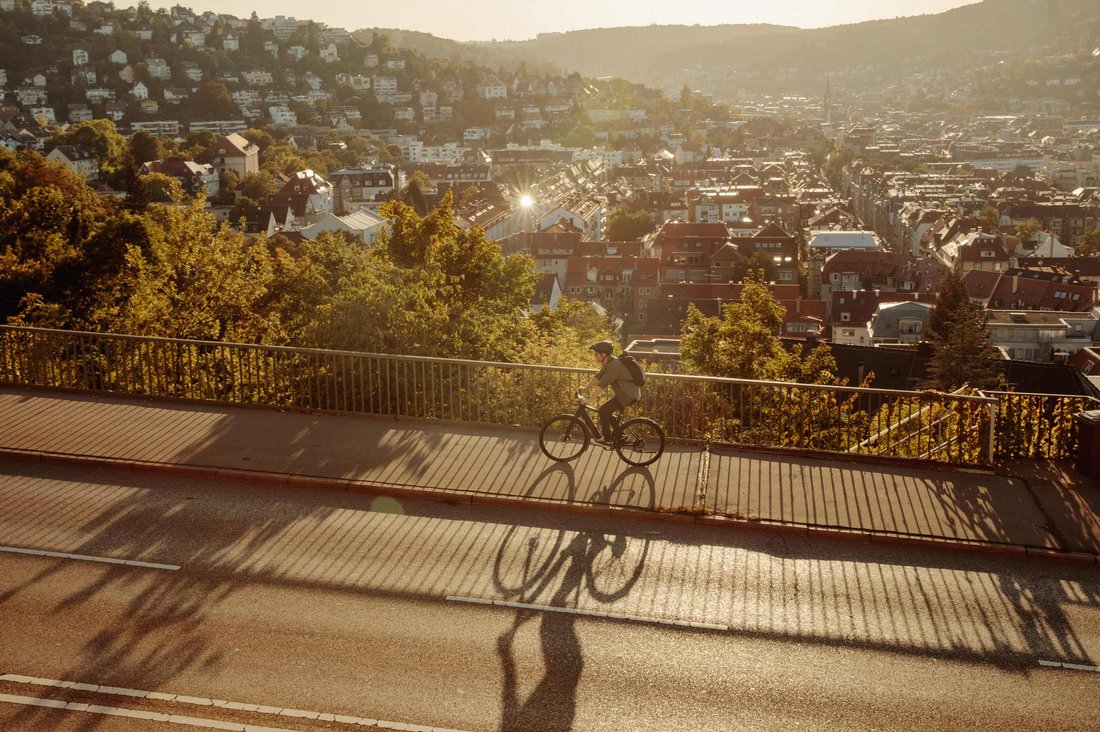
(660, 53)
(596, 52)
(1050, 26)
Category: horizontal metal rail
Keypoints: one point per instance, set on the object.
(956, 429)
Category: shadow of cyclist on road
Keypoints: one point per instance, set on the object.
(605, 566)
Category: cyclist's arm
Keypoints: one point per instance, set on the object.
(593, 383)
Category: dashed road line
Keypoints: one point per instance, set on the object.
(193, 700)
(1070, 666)
(588, 613)
(88, 558)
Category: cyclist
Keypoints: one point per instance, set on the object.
(614, 374)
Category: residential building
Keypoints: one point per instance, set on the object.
(80, 161)
(365, 186)
(194, 177)
(232, 152)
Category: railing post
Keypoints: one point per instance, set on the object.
(993, 409)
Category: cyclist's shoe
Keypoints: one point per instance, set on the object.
(603, 443)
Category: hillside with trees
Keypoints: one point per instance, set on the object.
(963, 38)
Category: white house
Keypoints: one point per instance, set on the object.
(384, 85)
(232, 152)
(158, 68)
(282, 116)
(76, 159)
(231, 42)
(119, 57)
(80, 57)
(192, 71)
(329, 53)
(361, 223)
(44, 115)
(492, 89)
(139, 91)
(99, 95)
(834, 241)
(297, 53)
(257, 78)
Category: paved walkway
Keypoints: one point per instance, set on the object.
(1045, 507)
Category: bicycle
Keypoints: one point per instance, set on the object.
(639, 441)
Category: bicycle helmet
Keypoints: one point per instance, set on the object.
(602, 347)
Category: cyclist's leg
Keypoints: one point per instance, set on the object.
(607, 412)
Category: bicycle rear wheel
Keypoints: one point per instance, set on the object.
(563, 438)
(641, 441)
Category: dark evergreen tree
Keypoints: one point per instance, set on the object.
(956, 330)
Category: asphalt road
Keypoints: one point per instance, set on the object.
(374, 609)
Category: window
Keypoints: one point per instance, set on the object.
(845, 317)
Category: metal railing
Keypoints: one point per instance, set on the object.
(947, 428)
(1038, 426)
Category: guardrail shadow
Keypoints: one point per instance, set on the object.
(927, 603)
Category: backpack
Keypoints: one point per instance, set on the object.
(637, 373)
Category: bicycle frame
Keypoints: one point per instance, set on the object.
(582, 414)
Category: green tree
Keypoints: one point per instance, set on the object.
(950, 299)
(757, 263)
(743, 343)
(835, 163)
(562, 335)
(213, 101)
(448, 292)
(956, 331)
(1026, 230)
(623, 225)
(990, 219)
(258, 186)
(963, 355)
(101, 138)
(144, 147)
(281, 160)
(262, 138)
(199, 279)
(1090, 244)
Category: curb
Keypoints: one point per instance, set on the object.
(397, 490)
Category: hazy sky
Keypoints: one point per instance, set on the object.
(501, 19)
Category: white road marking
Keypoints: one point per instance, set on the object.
(136, 714)
(1070, 666)
(589, 613)
(194, 700)
(88, 558)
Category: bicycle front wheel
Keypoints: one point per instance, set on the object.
(641, 441)
(563, 438)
